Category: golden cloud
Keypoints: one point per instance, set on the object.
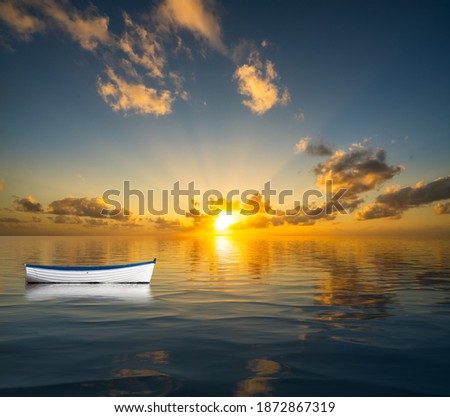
(18, 18)
(256, 81)
(377, 211)
(139, 51)
(143, 48)
(442, 208)
(197, 16)
(88, 28)
(125, 96)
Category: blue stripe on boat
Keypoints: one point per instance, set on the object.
(88, 268)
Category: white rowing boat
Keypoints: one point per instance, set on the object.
(130, 292)
(130, 273)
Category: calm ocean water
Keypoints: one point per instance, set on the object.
(226, 316)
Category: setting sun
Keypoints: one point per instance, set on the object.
(224, 220)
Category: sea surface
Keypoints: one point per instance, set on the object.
(230, 316)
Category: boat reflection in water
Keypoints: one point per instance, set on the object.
(140, 292)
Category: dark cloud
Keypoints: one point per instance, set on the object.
(395, 201)
(95, 222)
(260, 221)
(315, 149)
(66, 220)
(359, 170)
(28, 204)
(162, 223)
(130, 225)
(84, 207)
(310, 217)
(418, 195)
(10, 220)
(295, 217)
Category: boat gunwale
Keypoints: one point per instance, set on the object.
(89, 268)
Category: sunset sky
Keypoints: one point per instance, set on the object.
(228, 95)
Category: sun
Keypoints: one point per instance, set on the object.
(224, 220)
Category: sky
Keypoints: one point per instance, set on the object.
(229, 95)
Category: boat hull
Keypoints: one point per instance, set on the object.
(134, 273)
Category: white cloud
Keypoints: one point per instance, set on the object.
(256, 81)
(302, 144)
(300, 116)
(130, 97)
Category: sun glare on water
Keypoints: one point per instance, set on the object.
(224, 220)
